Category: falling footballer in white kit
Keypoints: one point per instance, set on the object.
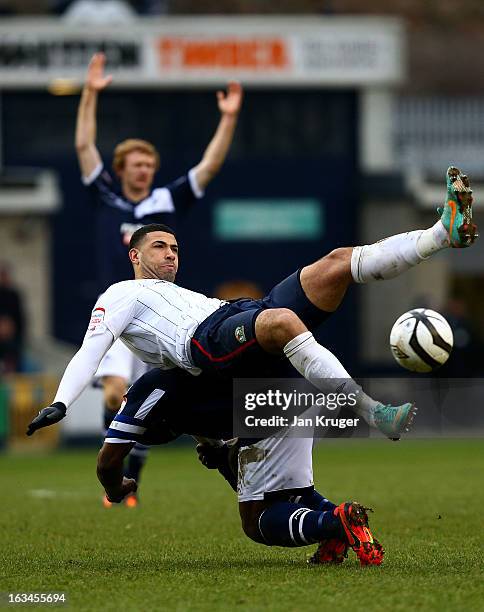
(155, 319)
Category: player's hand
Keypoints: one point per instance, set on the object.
(223, 458)
(47, 416)
(212, 457)
(95, 79)
(128, 486)
(230, 102)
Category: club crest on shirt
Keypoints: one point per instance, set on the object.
(240, 334)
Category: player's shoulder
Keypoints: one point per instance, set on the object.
(162, 194)
(123, 289)
(155, 284)
(174, 183)
(99, 174)
(105, 187)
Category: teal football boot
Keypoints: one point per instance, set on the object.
(394, 420)
(456, 214)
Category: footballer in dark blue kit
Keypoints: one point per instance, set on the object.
(118, 217)
(126, 200)
(278, 503)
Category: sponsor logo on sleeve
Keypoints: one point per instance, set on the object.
(96, 324)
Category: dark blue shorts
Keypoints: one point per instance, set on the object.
(162, 405)
(225, 342)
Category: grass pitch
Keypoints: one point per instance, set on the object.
(183, 548)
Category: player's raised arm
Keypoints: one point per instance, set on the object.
(229, 104)
(96, 81)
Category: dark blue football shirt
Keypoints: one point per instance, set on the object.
(117, 218)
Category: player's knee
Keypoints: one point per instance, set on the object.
(334, 269)
(114, 391)
(113, 401)
(338, 262)
(276, 326)
(339, 255)
(250, 526)
(250, 513)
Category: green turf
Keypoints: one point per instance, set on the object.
(183, 548)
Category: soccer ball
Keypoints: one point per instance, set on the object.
(421, 340)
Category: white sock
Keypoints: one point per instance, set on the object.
(433, 239)
(324, 370)
(390, 257)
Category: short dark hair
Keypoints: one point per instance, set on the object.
(140, 233)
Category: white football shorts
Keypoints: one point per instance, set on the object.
(284, 461)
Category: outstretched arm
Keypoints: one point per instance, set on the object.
(96, 81)
(77, 376)
(83, 366)
(229, 105)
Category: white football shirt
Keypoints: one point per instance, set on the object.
(156, 319)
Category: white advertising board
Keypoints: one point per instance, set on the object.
(176, 51)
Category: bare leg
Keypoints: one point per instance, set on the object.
(114, 389)
(275, 327)
(325, 282)
(280, 329)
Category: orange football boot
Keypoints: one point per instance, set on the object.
(329, 551)
(106, 502)
(131, 501)
(354, 520)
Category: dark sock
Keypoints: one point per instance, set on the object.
(316, 501)
(288, 524)
(136, 460)
(108, 416)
